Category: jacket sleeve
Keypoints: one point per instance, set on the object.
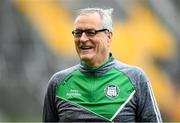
(49, 109)
(147, 107)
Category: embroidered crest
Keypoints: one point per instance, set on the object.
(112, 91)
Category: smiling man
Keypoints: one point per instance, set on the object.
(92, 40)
(99, 88)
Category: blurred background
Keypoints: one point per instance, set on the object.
(36, 41)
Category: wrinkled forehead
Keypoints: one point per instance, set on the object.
(88, 20)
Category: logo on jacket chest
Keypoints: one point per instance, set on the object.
(112, 91)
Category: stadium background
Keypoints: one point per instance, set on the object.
(36, 41)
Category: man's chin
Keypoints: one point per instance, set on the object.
(86, 58)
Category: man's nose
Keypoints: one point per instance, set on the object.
(84, 37)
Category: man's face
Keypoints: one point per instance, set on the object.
(93, 50)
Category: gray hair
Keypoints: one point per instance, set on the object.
(105, 15)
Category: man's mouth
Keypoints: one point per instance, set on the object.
(86, 47)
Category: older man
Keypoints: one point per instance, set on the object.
(99, 88)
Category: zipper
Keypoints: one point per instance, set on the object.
(93, 85)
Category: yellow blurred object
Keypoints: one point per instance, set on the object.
(52, 21)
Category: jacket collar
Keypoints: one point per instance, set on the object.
(96, 71)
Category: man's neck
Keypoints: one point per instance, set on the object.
(97, 63)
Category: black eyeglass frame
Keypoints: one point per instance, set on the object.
(93, 32)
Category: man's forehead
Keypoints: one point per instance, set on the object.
(88, 21)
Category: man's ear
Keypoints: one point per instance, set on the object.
(110, 34)
(109, 40)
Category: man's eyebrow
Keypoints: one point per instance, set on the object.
(85, 29)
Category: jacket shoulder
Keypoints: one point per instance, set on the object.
(134, 73)
(61, 75)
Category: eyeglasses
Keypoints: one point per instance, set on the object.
(89, 32)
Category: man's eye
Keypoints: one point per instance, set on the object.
(91, 33)
(78, 32)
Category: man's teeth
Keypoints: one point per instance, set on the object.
(86, 47)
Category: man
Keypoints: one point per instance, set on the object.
(100, 88)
